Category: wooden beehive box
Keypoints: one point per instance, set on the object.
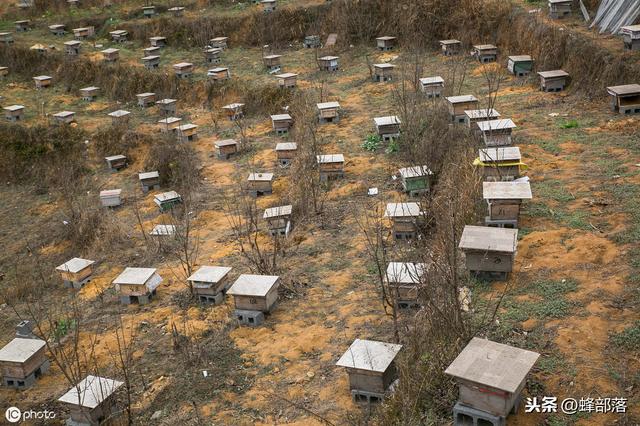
(151, 51)
(559, 9)
(116, 162)
(83, 32)
(625, 99)
(491, 376)
(90, 93)
(383, 72)
(219, 73)
(210, 280)
(22, 25)
(149, 180)
(146, 99)
(14, 112)
(268, 5)
(496, 132)
(6, 38)
(64, 117)
(219, 42)
(167, 200)
(260, 183)
(328, 63)
(504, 200)
(520, 65)
(450, 47)
(281, 123)
(158, 41)
(631, 37)
(167, 106)
(42, 81)
(187, 132)
(416, 179)
(328, 112)
(151, 61)
(177, 11)
(331, 166)
(148, 11)
(169, 124)
(287, 80)
(500, 164)
(386, 43)
(278, 219)
(404, 279)
(489, 249)
(72, 48)
(76, 270)
(387, 127)
(119, 36)
(111, 54)
(371, 367)
(473, 116)
(285, 152)
(22, 360)
(91, 401)
(119, 117)
(111, 197)
(553, 81)
(226, 148)
(405, 219)
(271, 62)
(432, 86)
(212, 55)
(255, 292)
(58, 29)
(4, 71)
(459, 104)
(311, 41)
(183, 69)
(485, 52)
(234, 111)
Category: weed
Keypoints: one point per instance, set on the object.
(629, 338)
(371, 143)
(570, 124)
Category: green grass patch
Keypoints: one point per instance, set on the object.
(569, 124)
(628, 339)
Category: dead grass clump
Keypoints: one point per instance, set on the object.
(116, 139)
(41, 154)
(176, 162)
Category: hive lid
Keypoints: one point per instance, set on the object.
(506, 191)
(488, 238)
(330, 158)
(369, 355)
(136, 276)
(253, 285)
(387, 121)
(500, 124)
(263, 177)
(19, 350)
(402, 210)
(625, 89)
(432, 80)
(511, 153)
(210, 274)
(90, 392)
(493, 364)
(277, 211)
(461, 99)
(405, 273)
(553, 74)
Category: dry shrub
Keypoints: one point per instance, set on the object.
(177, 164)
(119, 139)
(44, 155)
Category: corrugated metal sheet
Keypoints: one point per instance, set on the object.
(614, 14)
